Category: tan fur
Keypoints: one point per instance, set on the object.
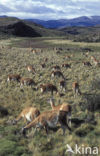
(29, 114)
(56, 67)
(31, 69)
(96, 63)
(62, 84)
(36, 51)
(46, 120)
(87, 54)
(48, 87)
(57, 73)
(75, 87)
(67, 57)
(14, 77)
(64, 107)
(92, 58)
(87, 64)
(27, 81)
(66, 65)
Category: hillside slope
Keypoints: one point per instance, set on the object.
(11, 26)
(86, 34)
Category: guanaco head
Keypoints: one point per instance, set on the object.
(14, 122)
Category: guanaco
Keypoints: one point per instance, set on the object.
(31, 69)
(46, 120)
(64, 107)
(48, 87)
(56, 67)
(27, 82)
(66, 65)
(29, 114)
(62, 85)
(75, 87)
(87, 64)
(57, 73)
(14, 77)
(96, 63)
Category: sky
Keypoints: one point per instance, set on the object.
(49, 9)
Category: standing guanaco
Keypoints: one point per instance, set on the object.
(27, 82)
(65, 108)
(46, 120)
(57, 73)
(62, 84)
(48, 87)
(14, 77)
(75, 87)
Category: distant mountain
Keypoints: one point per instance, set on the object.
(83, 21)
(12, 26)
(3, 16)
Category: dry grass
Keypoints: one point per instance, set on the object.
(13, 59)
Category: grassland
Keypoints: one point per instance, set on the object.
(15, 55)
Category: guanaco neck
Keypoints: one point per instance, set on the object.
(52, 104)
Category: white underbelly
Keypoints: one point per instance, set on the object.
(28, 117)
(53, 123)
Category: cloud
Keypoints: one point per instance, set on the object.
(49, 9)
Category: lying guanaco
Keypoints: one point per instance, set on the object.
(64, 107)
(14, 77)
(29, 114)
(47, 120)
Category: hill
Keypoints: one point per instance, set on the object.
(83, 21)
(86, 34)
(12, 26)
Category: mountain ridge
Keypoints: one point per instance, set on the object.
(79, 21)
